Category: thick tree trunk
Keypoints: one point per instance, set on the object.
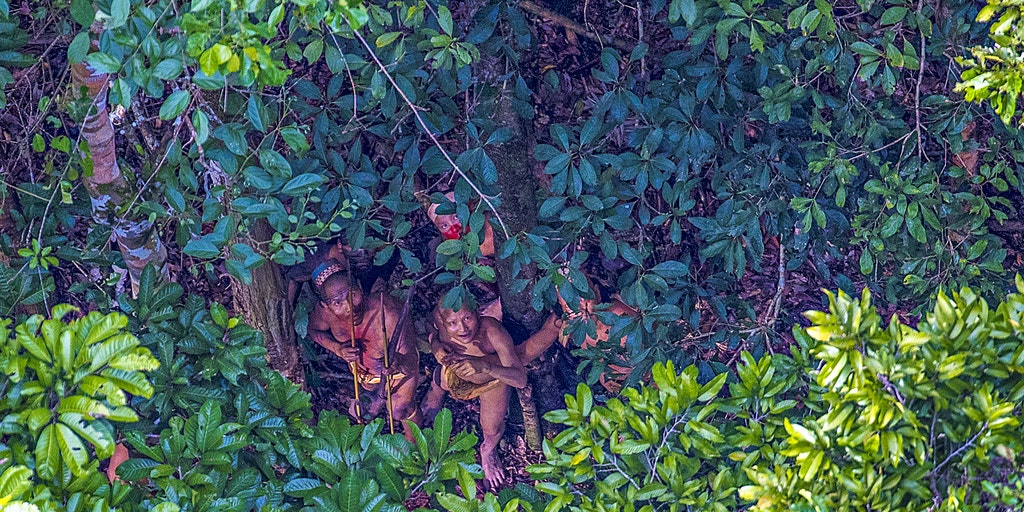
(518, 207)
(107, 188)
(264, 305)
(518, 210)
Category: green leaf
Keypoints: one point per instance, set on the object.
(387, 38)
(391, 483)
(85, 406)
(350, 491)
(133, 382)
(103, 63)
(277, 165)
(685, 9)
(102, 439)
(891, 226)
(174, 105)
(119, 10)
(201, 123)
(302, 184)
(977, 248)
(671, 269)
(79, 48)
(444, 19)
(14, 482)
(893, 15)
(304, 487)
(83, 12)
(552, 206)
(168, 69)
(47, 453)
(136, 468)
(201, 248)
(867, 262)
(450, 247)
(114, 346)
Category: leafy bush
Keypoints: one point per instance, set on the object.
(860, 416)
(66, 384)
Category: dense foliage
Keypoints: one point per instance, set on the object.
(860, 416)
(739, 155)
(753, 139)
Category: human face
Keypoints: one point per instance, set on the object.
(449, 225)
(337, 299)
(461, 326)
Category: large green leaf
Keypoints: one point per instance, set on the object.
(96, 433)
(83, 405)
(14, 482)
(47, 453)
(98, 327)
(304, 487)
(72, 450)
(114, 346)
(132, 382)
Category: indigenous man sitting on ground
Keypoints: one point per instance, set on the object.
(584, 311)
(478, 360)
(341, 306)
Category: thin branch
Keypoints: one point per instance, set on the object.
(961, 449)
(917, 92)
(568, 24)
(423, 124)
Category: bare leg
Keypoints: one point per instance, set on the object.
(493, 409)
(432, 402)
(403, 394)
(120, 455)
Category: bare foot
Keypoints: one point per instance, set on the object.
(494, 472)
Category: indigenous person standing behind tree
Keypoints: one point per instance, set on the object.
(478, 360)
(342, 306)
(586, 312)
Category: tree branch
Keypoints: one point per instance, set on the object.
(568, 24)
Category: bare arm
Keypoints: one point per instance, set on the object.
(510, 371)
(320, 332)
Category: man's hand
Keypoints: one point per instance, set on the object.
(348, 353)
(469, 367)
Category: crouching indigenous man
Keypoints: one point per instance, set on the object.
(478, 360)
(343, 314)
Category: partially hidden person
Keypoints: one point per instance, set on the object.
(586, 310)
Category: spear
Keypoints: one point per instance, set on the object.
(385, 374)
(392, 346)
(352, 337)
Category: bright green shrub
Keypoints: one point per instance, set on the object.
(67, 382)
(878, 417)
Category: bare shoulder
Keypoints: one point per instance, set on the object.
(318, 318)
(494, 331)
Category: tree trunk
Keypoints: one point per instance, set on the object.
(136, 239)
(518, 210)
(264, 305)
(518, 207)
